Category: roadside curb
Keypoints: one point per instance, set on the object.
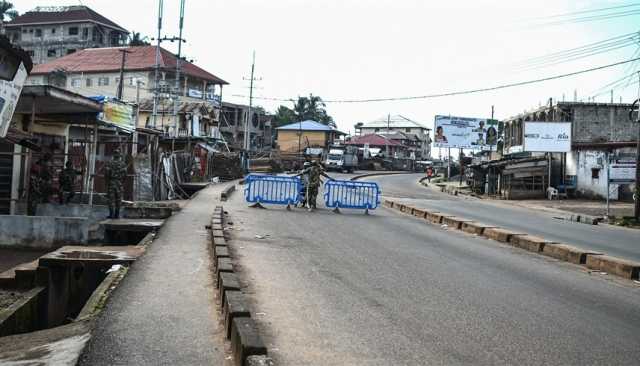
(247, 345)
(226, 193)
(590, 259)
(357, 177)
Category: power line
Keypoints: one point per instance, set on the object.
(590, 11)
(462, 92)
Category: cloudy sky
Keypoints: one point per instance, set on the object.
(359, 49)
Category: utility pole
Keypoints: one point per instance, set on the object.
(121, 83)
(636, 208)
(247, 134)
(176, 100)
(156, 87)
(386, 140)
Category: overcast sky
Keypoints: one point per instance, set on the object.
(357, 49)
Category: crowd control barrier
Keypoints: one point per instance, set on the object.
(351, 194)
(278, 190)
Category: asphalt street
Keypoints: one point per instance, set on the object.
(614, 241)
(389, 289)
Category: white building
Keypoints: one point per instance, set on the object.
(398, 123)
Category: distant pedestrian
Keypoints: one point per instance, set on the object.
(429, 173)
(115, 173)
(67, 181)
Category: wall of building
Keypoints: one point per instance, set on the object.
(42, 232)
(288, 140)
(590, 169)
(603, 122)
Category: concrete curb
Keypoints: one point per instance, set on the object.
(357, 177)
(240, 329)
(226, 193)
(567, 253)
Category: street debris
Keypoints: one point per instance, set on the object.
(261, 236)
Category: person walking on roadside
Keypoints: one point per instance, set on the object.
(313, 180)
(429, 173)
(115, 173)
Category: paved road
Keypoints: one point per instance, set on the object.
(619, 242)
(386, 289)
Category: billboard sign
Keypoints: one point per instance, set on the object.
(622, 172)
(547, 136)
(466, 133)
(9, 95)
(118, 114)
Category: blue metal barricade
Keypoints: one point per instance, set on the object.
(272, 189)
(351, 194)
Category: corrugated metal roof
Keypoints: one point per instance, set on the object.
(395, 121)
(58, 15)
(307, 126)
(109, 60)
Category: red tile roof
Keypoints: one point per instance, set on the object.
(63, 14)
(109, 59)
(373, 140)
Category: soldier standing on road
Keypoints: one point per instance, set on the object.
(67, 181)
(312, 175)
(115, 173)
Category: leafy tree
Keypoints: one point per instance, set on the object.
(7, 11)
(305, 108)
(136, 39)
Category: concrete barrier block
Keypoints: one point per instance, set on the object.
(402, 208)
(474, 227)
(419, 213)
(235, 305)
(501, 235)
(568, 253)
(227, 282)
(529, 242)
(615, 266)
(454, 222)
(259, 361)
(245, 340)
(435, 217)
(226, 193)
(221, 251)
(388, 203)
(589, 220)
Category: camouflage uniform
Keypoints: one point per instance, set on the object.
(67, 181)
(313, 174)
(115, 173)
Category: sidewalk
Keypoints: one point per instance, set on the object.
(163, 313)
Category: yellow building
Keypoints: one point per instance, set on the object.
(299, 136)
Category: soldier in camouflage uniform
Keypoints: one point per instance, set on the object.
(67, 181)
(312, 175)
(115, 173)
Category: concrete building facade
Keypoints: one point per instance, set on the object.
(398, 123)
(48, 33)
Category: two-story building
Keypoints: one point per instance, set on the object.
(48, 33)
(397, 123)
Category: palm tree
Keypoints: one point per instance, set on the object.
(136, 39)
(6, 9)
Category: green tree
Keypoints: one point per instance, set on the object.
(7, 11)
(305, 108)
(136, 39)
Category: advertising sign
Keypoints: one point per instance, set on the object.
(547, 136)
(9, 94)
(119, 114)
(466, 133)
(622, 172)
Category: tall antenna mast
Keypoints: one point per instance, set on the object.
(156, 89)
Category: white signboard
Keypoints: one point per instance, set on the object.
(466, 133)
(9, 94)
(195, 93)
(622, 173)
(547, 136)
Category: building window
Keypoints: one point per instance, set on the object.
(407, 129)
(52, 52)
(70, 51)
(89, 82)
(38, 32)
(53, 31)
(595, 173)
(85, 33)
(377, 130)
(75, 82)
(30, 30)
(132, 81)
(24, 30)
(73, 31)
(103, 81)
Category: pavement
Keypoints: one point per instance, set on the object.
(614, 241)
(164, 311)
(389, 289)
